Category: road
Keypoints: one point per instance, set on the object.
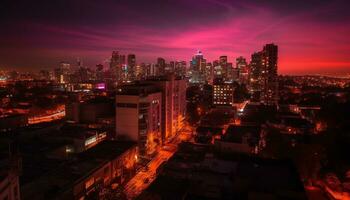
(48, 117)
(146, 176)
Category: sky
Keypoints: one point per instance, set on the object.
(313, 35)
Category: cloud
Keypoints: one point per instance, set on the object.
(312, 35)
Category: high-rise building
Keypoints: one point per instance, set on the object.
(229, 72)
(223, 64)
(209, 73)
(180, 68)
(99, 73)
(235, 74)
(264, 77)
(242, 66)
(138, 116)
(197, 68)
(217, 69)
(222, 93)
(270, 75)
(62, 73)
(174, 103)
(131, 66)
(170, 68)
(152, 70)
(82, 75)
(161, 66)
(140, 71)
(116, 66)
(256, 68)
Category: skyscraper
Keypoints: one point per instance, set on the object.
(242, 66)
(180, 68)
(116, 66)
(223, 64)
(209, 73)
(270, 90)
(131, 66)
(161, 66)
(62, 72)
(197, 68)
(255, 81)
(217, 69)
(99, 73)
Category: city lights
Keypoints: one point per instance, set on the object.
(189, 99)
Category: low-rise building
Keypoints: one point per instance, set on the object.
(89, 111)
(106, 163)
(197, 172)
(241, 139)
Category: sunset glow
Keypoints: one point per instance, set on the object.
(313, 36)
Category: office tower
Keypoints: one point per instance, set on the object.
(242, 66)
(209, 73)
(116, 66)
(170, 68)
(153, 70)
(83, 75)
(131, 67)
(99, 73)
(223, 65)
(124, 68)
(217, 69)
(174, 103)
(142, 71)
(197, 68)
(147, 70)
(161, 67)
(256, 68)
(139, 71)
(138, 116)
(62, 73)
(229, 72)
(269, 73)
(222, 93)
(235, 74)
(180, 68)
(197, 61)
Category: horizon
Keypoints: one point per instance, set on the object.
(312, 36)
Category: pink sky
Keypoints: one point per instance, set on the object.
(310, 41)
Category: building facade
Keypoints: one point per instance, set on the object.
(174, 103)
(222, 93)
(138, 116)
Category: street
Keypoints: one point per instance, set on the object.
(147, 175)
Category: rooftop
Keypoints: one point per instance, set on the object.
(63, 176)
(236, 133)
(137, 89)
(196, 172)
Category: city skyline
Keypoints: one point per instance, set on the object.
(312, 35)
(174, 99)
